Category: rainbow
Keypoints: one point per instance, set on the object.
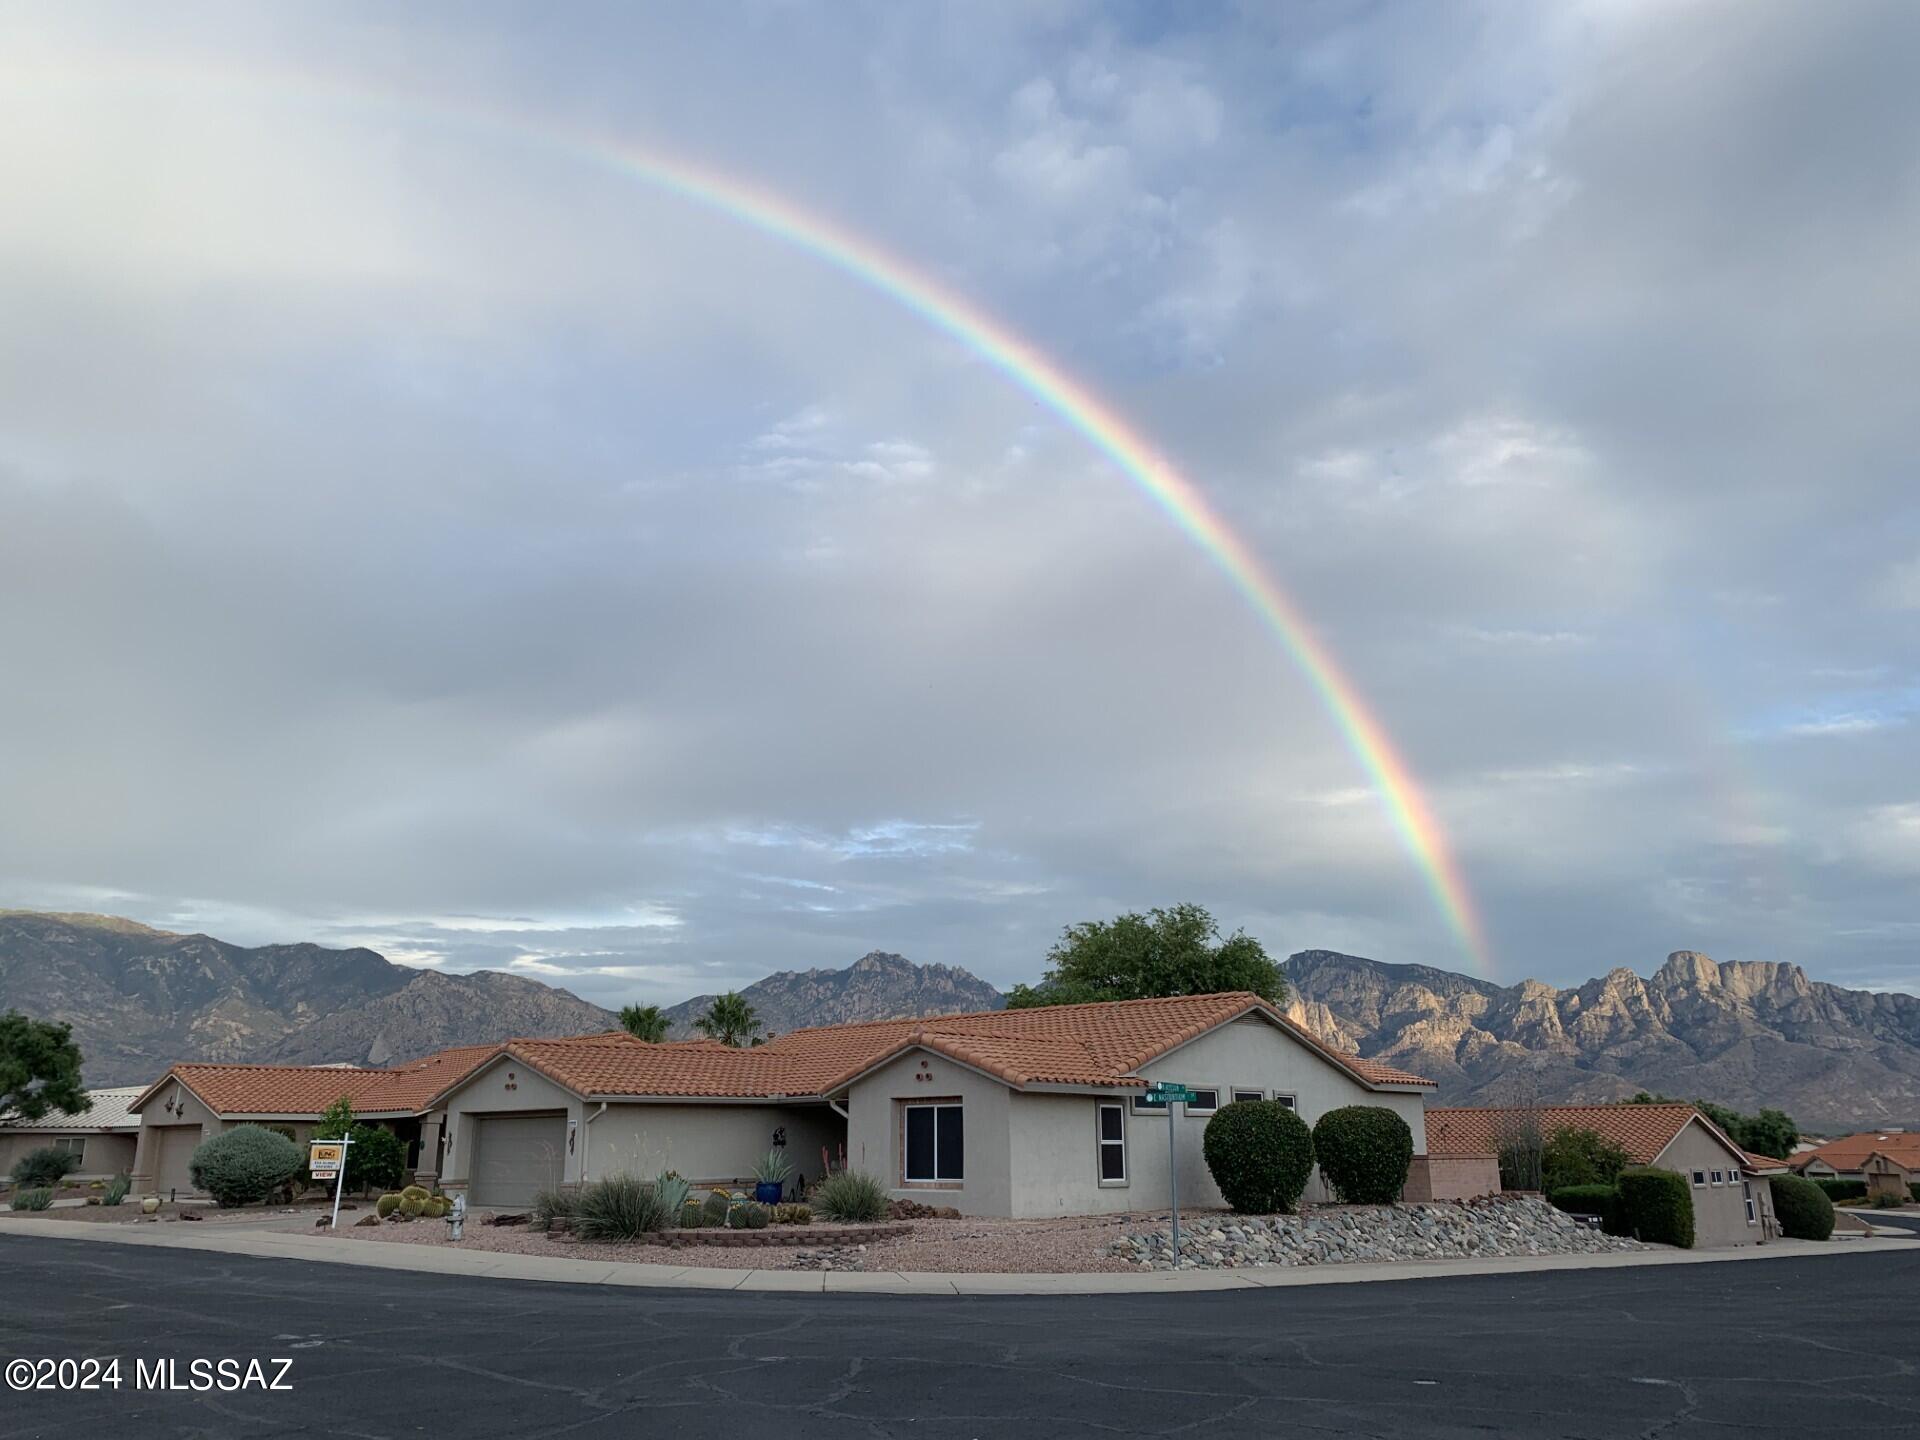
(779, 218)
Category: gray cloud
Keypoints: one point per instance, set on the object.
(414, 533)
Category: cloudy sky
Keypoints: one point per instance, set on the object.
(415, 531)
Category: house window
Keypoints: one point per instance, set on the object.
(1288, 1101)
(935, 1143)
(1204, 1102)
(70, 1144)
(1112, 1136)
(1240, 1095)
(1753, 1216)
(1699, 1179)
(1716, 1177)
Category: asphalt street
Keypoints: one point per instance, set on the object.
(1769, 1347)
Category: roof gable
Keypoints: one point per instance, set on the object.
(1643, 1131)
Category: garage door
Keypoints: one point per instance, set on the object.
(514, 1158)
(173, 1172)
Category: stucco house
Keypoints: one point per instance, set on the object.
(1006, 1112)
(1732, 1203)
(102, 1136)
(1885, 1161)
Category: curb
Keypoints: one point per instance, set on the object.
(330, 1250)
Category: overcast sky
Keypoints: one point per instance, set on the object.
(414, 532)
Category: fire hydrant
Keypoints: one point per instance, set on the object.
(457, 1216)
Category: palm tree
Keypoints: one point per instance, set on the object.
(730, 1020)
(644, 1022)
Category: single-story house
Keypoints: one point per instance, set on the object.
(1886, 1161)
(1732, 1204)
(1006, 1112)
(194, 1102)
(102, 1136)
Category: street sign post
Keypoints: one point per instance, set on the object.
(327, 1159)
(1169, 1093)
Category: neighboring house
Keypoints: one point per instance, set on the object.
(194, 1102)
(1732, 1203)
(1886, 1161)
(1007, 1112)
(102, 1136)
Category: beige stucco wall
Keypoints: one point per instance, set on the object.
(708, 1144)
(874, 1105)
(1719, 1211)
(1034, 1153)
(102, 1156)
(188, 1113)
(505, 1087)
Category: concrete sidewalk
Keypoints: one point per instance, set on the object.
(341, 1250)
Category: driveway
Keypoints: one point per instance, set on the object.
(1776, 1346)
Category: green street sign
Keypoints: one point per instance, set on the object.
(1160, 1094)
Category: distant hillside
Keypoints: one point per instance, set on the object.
(139, 999)
(1746, 1034)
(877, 986)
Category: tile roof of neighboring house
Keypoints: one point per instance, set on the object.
(1100, 1044)
(108, 1112)
(1643, 1131)
(310, 1089)
(1763, 1162)
(1850, 1152)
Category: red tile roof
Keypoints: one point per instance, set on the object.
(1100, 1044)
(310, 1089)
(1643, 1131)
(1850, 1152)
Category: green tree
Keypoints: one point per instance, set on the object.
(1771, 1132)
(376, 1156)
(1179, 951)
(1579, 1157)
(730, 1020)
(644, 1022)
(39, 1069)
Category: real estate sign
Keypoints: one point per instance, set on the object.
(325, 1158)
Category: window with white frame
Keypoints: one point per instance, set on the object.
(1718, 1178)
(1287, 1100)
(1112, 1138)
(1239, 1095)
(1753, 1215)
(934, 1143)
(71, 1144)
(1205, 1101)
(1699, 1179)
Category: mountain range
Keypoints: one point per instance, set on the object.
(1746, 1034)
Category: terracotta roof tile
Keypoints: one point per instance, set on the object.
(310, 1089)
(1643, 1131)
(1850, 1152)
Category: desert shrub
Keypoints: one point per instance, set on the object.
(1656, 1206)
(792, 1214)
(1838, 1190)
(1886, 1201)
(715, 1208)
(549, 1205)
(1914, 1190)
(1579, 1157)
(36, 1199)
(1364, 1152)
(244, 1165)
(1260, 1154)
(693, 1216)
(386, 1204)
(1805, 1211)
(851, 1197)
(671, 1191)
(1601, 1200)
(116, 1190)
(617, 1208)
(45, 1166)
(773, 1167)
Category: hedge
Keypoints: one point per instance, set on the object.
(1364, 1152)
(1838, 1190)
(244, 1165)
(1601, 1200)
(1803, 1207)
(1260, 1154)
(1656, 1206)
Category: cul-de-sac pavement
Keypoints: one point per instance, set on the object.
(1775, 1346)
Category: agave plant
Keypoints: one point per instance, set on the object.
(773, 1168)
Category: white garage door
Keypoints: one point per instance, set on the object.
(514, 1158)
(173, 1171)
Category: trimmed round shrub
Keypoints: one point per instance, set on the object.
(45, 1166)
(244, 1165)
(1838, 1190)
(40, 1199)
(850, 1197)
(1804, 1210)
(1260, 1154)
(1364, 1152)
(386, 1204)
(1656, 1206)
